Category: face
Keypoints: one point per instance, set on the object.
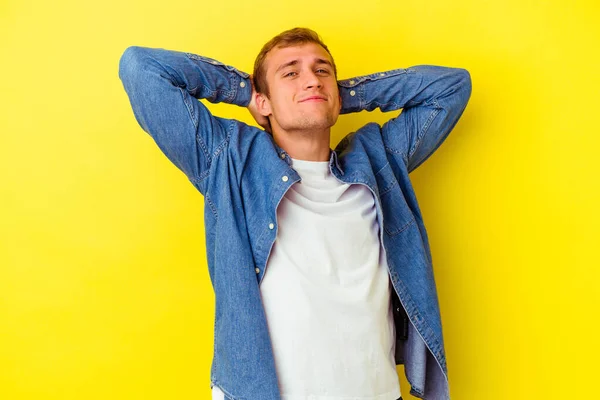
(303, 89)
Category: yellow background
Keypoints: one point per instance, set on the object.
(104, 292)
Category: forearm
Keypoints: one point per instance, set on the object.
(201, 77)
(400, 88)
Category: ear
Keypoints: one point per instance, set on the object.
(263, 104)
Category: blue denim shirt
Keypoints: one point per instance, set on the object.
(243, 175)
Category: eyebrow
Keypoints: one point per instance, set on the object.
(294, 62)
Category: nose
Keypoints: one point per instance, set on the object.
(312, 80)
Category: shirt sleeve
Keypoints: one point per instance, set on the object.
(163, 87)
(432, 99)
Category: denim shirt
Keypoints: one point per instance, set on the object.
(243, 175)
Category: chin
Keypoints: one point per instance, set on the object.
(315, 123)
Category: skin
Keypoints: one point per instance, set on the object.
(299, 125)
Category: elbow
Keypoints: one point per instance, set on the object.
(465, 84)
(130, 62)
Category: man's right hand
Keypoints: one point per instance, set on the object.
(260, 119)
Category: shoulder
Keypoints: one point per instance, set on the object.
(367, 138)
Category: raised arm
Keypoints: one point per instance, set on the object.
(163, 87)
(432, 98)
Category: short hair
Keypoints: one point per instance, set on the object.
(289, 38)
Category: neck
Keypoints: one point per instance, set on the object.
(302, 145)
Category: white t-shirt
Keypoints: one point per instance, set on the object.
(326, 293)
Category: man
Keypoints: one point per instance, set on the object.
(319, 258)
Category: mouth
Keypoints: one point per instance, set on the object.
(313, 98)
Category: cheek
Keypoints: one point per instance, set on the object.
(281, 106)
(279, 111)
(277, 107)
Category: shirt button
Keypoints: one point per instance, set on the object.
(271, 226)
(257, 270)
(352, 93)
(284, 178)
(352, 82)
(282, 155)
(382, 74)
(243, 84)
(214, 62)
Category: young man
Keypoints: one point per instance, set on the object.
(319, 258)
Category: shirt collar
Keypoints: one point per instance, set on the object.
(333, 158)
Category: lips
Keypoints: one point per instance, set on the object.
(314, 98)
